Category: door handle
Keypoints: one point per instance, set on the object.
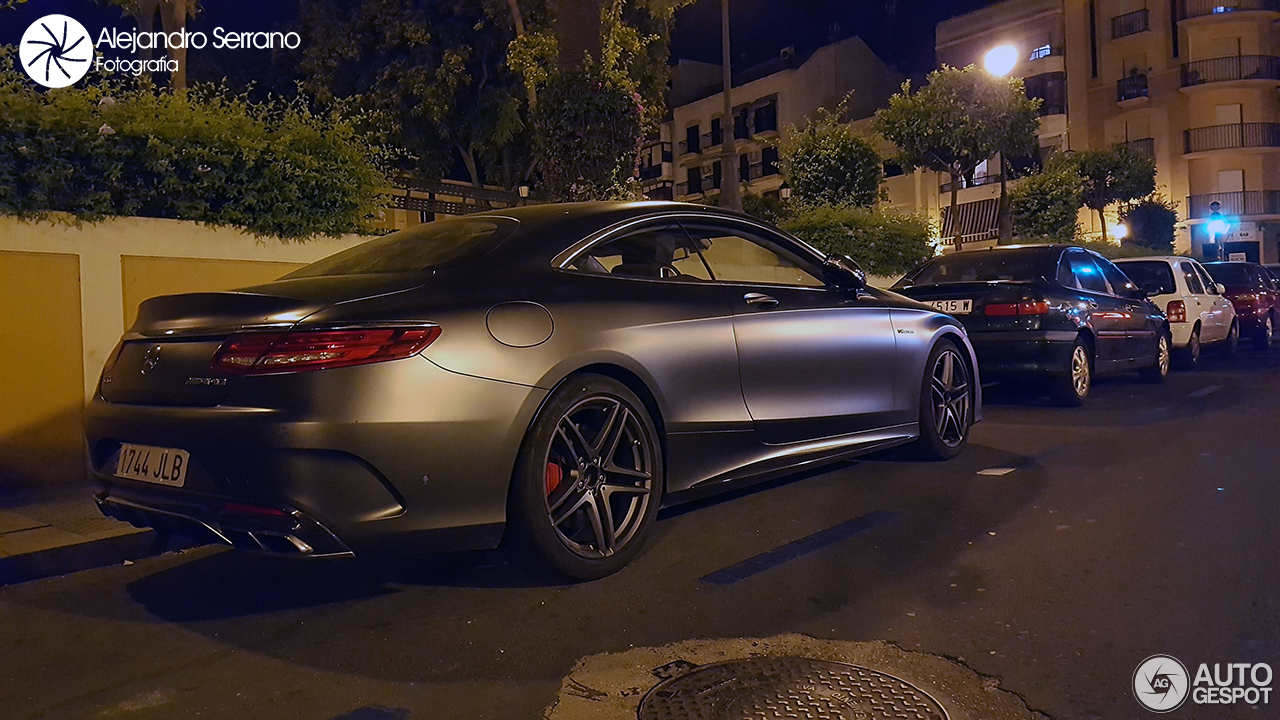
(1093, 304)
(760, 300)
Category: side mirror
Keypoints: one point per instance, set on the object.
(1222, 289)
(843, 272)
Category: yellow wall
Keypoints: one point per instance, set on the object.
(147, 277)
(41, 420)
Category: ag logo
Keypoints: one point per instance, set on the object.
(55, 51)
(1161, 683)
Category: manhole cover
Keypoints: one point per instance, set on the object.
(787, 687)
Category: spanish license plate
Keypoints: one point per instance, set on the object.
(953, 307)
(165, 466)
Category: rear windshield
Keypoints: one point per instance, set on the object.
(1230, 274)
(421, 247)
(1148, 274)
(979, 266)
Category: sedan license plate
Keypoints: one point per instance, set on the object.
(165, 466)
(953, 307)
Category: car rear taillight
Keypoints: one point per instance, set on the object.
(113, 358)
(300, 351)
(1177, 311)
(1018, 309)
(232, 508)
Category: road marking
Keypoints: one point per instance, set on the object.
(1204, 391)
(803, 546)
(996, 472)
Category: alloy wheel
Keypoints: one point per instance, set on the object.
(1080, 377)
(599, 477)
(952, 398)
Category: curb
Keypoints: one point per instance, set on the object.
(74, 557)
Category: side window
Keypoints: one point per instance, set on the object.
(1264, 277)
(659, 253)
(1193, 279)
(1210, 286)
(738, 255)
(1120, 283)
(1065, 277)
(1086, 272)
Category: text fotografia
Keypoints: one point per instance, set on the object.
(127, 41)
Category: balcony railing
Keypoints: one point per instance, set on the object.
(1130, 23)
(1145, 147)
(977, 180)
(651, 172)
(686, 148)
(1131, 88)
(684, 189)
(1200, 8)
(1246, 202)
(1241, 67)
(1238, 135)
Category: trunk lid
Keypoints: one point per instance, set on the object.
(166, 357)
(968, 301)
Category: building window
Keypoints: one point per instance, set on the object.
(692, 139)
(717, 135)
(740, 129)
(769, 161)
(744, 168)
(694, 177)
(1040, 52)
(767, 117)
(716, 174)
(1051, 88)
(892, 169)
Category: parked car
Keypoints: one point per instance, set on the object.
(1198, 313)
(1274, 270)
(1255, 296)
(553, 374)
(1054, 312)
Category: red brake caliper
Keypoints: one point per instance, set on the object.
(554, 476)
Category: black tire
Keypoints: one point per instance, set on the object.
(1155, 374)
(946, 403)
(614, 487)
(1232, 344)
(1189, 356)
(1262, 340)
(1071, 388)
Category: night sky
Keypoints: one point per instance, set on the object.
(899, 31)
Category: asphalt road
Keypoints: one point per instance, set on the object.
(1144, 523)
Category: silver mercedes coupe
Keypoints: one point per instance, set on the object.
(544, 377)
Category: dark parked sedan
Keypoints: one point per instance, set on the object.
(1055, 311)
(553, 374)
(1255, 296)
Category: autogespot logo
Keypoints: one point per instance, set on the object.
(56, 51)
(1161, 683)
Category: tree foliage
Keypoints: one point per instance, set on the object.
(1152, 222)
(1045, 205)
(274, 169)
(962, 117)
(829, 163)
(883, 241)
(1112, 175)
(588, 129)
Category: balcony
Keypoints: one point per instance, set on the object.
(1130, 23)
(690, 148)
(1203, 8)
(977, 180)
(685, 188)
(1227, 137)
(1229, 69)
(650, 173)
(1132, 87)
(1145, 147)
(1243, 203)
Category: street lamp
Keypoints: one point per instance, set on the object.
(784, 191)
(1000, 60)
(1120, 232)
(523, 192)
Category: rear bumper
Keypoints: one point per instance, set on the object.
(400, 456)
(1015, 353)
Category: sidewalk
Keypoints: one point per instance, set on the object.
(46, 533)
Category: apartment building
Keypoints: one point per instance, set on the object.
(1191, 83)
(684, 161)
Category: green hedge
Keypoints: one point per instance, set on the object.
(273, 169)
(883, 241)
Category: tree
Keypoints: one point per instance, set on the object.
(1116, 174)
(829, 163)
(588, 127)
(173, 18)
(1151, 222)
(882, 240)
(1046, 204)
(959, 119)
